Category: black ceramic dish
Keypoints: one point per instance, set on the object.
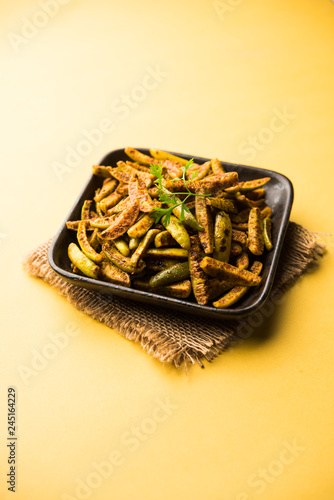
(279, 196)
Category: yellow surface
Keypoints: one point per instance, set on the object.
(226, 70)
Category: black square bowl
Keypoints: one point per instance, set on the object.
(279, 196)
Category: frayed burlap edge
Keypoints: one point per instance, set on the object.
(170, 336)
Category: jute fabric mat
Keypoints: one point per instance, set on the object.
(170, 336)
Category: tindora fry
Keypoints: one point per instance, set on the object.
(138, 191)
(255, 232)
(154, 221)
(223, 237)
(239, 237)
(173, 274)
(252, 185)
(102, 222)
(158, 154)
(242, 261)
(108, 188)
(110, 201)
(138, 156)
(101, 171)
(143, 245)
(133, 243)
(225, 271)
(177, 230)
(83, 263)
(124, 204)
(114, 274)
(204, 217)
(222, 204)
(180, 290)
(121, 223)
(164, 239)
(267, 233)
(199, 280)
(236, 249)
(122, 246)
(140, 227)
(217, 287)
(86, 247)
(85, 211)
(124, 263)
(237, 292)
(200, 172)
(170, 253)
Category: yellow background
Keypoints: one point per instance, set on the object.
(226, 69)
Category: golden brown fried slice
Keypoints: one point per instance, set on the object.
(110, 201)
(122, 205)
(169, 253)
(122, 188)
(213, 186)
(108, 188)
(113, 274)
(102, 222)
(199, 279)
(237, 292)
(256, 194)
(252, 185)
(141, 226)
(217, 287)
(236, 249)
(101, 171)
(177, 230)
(139, 157)
(222, 204)
(158, 154)
(225, 271)
(127, 169)
(121, 261)
(198, 172)
(74, 224)
(122, 222)
(255, 232)
(137, 166)
(82, 262)
(239, 237)
(217, 167)
(204, 218)
(85, 211)
(138, 191)
(180, 290)
(86, 247)
(174, 169)
(243, 261)
(266, 212)
(143, 246)
(164, 239)
(223, 237)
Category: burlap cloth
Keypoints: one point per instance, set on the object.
(170, 336)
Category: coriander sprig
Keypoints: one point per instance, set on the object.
(171, 199)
